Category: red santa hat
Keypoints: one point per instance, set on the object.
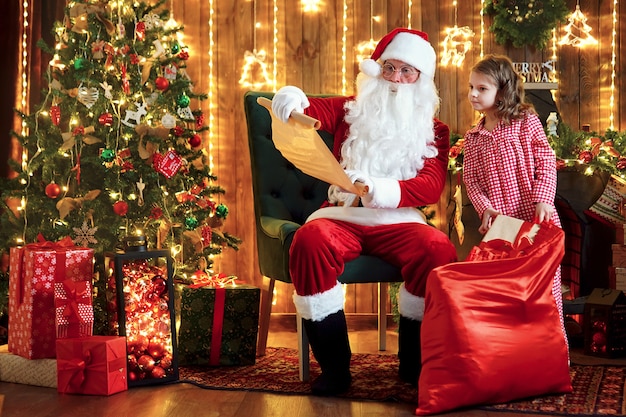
(406, 45)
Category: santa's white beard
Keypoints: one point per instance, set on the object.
(391, 127)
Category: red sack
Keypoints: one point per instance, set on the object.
(492, 331)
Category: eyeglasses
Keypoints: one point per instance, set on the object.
(406, 72)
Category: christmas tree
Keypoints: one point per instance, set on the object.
(115, 148)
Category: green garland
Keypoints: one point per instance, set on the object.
(525, 22)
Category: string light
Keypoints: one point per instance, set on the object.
(408, 14)
(364, 49)
(275, 49)
(253, 63)
(344, 83)
(613, 56)
(482, 28)
(210, 98)
(311, 6)
(456, 43)
(577, 31)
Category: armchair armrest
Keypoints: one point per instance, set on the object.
(278, 228)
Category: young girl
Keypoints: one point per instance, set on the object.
(509, 167)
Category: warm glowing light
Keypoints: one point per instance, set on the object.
(344, 48)
(455, 45)
(457, 42)
(577, 31)
(364, 49)
(254, 64)
(311, 6)
(613, 57)
(408, 14)
(482, 28)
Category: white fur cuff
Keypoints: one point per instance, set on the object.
(386, 194)
(409, 305)
(318, 306)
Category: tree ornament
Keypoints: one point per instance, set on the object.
(161, 83)
(107, 155)
(185, 113)
(199, 121)
(55, 114)
(175, 48)
(135, 115)
(221, 211)
(85, 235)
(80, 63)
(195, 141)
(525, 22)
(178, 131)
(106, 119)
(183, 100)
(191, 222)
(87, 96)
(53, 190)
(120, 208)
(168, 121)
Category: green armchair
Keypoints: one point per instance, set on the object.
(283, 199)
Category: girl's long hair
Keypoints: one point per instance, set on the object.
(510, 101)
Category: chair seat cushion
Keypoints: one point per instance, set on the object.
(492, 331)
(367, 268)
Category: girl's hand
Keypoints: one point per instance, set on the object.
(543, 212)
(488, 217)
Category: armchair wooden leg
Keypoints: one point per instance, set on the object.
(264, 315)
(303, 350)
(382, 315)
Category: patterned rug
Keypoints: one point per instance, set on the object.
(597, 389)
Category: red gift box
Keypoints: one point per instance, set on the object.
(74, 310)
(93, 365)
(33, 272)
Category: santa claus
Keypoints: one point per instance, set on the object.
(387, 138)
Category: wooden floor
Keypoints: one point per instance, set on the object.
(183, 400)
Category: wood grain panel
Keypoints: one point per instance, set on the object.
(315, 66)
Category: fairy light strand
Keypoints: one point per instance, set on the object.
(613, 58)
(211, 86)
(344, 40)
(408, 14)
(275, 47)
(482, 29)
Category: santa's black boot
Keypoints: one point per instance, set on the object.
(329, 342)
(409, 350)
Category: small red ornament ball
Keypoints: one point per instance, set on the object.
(146, 363)
(53, 190)
(106, 119)
(120, 208)
(158, 372)
(195, 141)
(161, 83)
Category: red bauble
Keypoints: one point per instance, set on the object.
(146, 363)
(159, 285)
(106, 119)
(53, 190)
(158, 372)
(120, 208)
(156, 350)
(166, 361)
(161, 83)
(195, 141)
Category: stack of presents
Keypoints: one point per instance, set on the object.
(51, 320)
(605, 308)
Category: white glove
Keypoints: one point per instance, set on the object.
(337, 195)
(382, 192)
(288, 99)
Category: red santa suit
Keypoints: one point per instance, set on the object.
(388, 138)
(335, 235)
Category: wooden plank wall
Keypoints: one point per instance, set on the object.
(309, 55)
